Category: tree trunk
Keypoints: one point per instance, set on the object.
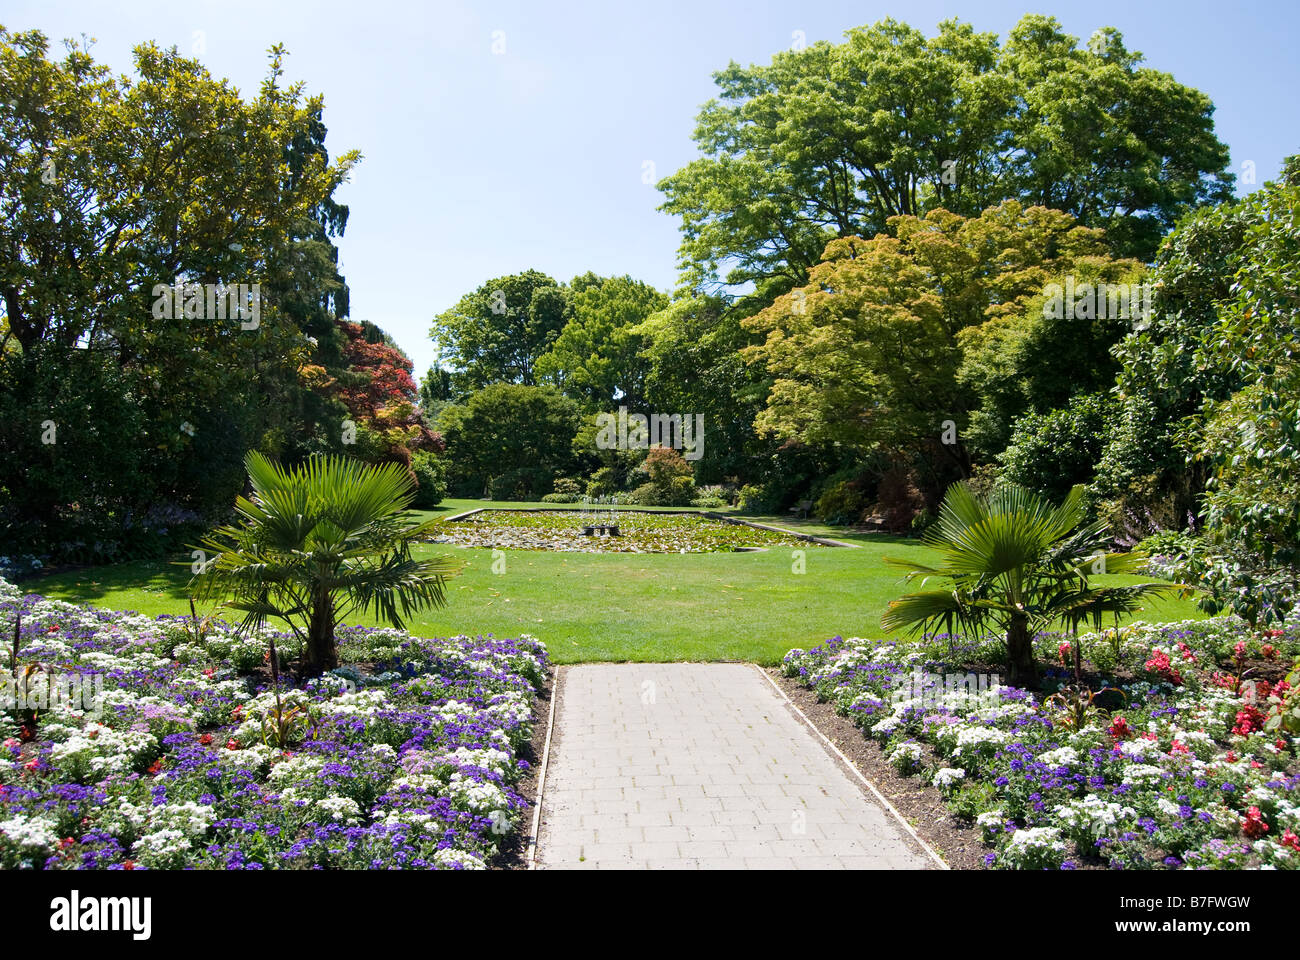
(1020, 654)
(321, 654)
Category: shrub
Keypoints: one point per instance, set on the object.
(523, 483)
(756, 498)
(670, 476)
(842, 502)
(1050, 452)
(570, 486)
(560, 498)
(431, 475)
(898, 499)
(708, 503)
(648, 495)
(603, 482)
(715, 491)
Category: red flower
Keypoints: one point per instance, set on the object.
(1159, 664)
(1249, 719)
(232, 744)
(1119, 729)
(205, 739)
(1063, 651)
(128, 864)
(1269, 651)
(1289, 839)
(1179, 748)
(156, 768)
(66, 842)
(1254, 826)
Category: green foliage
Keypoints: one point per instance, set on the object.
(671, 483)
(756, 498)
(141, 174)
(1052, 452)
(603, 482)
(514, 435)
(695, 367)
(570, 486)
(598, 359)
(431, 477)
(1252, 438)
(1040, 358)
(1014, 564)
(497, 333)
(842, 502)
(833, 140)
(866, 355)
(319, 542)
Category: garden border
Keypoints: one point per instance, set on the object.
(707, 514)
(530, 855)
(826, 741)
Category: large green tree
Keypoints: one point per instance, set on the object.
(109, 187)
(833, 140)
(497, 333)
(866, 355)
(599, 357)
(520, 433)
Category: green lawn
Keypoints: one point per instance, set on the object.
(720, 606)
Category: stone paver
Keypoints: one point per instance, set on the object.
(699, 766)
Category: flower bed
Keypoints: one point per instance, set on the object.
(561, 530)
(407, 756)
(1180, 771)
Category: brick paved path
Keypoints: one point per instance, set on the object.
(701, 766)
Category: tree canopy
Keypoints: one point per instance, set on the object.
(835, 139)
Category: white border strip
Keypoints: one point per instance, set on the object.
(531, 856)
(856, 772)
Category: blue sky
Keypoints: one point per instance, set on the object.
(481, 163)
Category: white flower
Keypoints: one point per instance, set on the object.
(31, 836)
(1064, 757)
(467, 861)
(947, 776)
(339, 809)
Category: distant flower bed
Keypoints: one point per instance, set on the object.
(562, 530)
(405, 757)
(1187, 767)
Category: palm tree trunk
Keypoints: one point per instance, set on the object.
(321, 654)
(1020, 653)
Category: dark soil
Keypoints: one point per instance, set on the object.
(955, 840)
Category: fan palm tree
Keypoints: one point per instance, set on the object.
(321, 541)
(1015, 564)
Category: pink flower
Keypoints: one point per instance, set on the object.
(1254, 826)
